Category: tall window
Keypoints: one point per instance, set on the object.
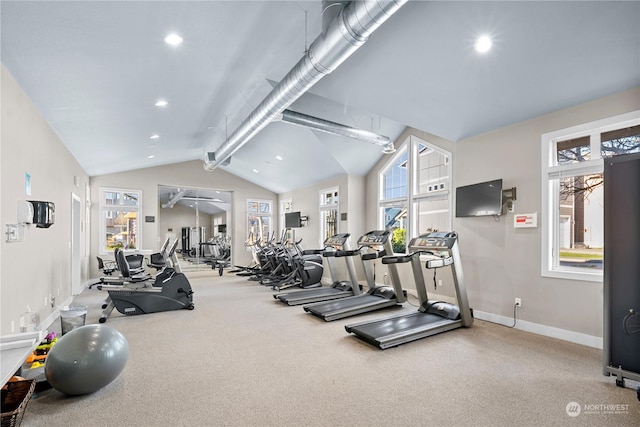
(431, 204)
(573, 196)
(259, 218)
(414, 192)
(329, 199)
(119, 213)
(393, 203)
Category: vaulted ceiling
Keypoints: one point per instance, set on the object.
(95, 69)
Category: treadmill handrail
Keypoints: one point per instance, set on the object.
(400, 259)
(350, 252)
(374, 255)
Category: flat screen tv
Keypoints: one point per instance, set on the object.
(482, 199)
(222, 228)
(292, 220)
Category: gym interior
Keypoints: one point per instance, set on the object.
(183, 169)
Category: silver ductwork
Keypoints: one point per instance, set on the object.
(327, 126)
(343, 36)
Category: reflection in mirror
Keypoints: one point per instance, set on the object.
(199, 219)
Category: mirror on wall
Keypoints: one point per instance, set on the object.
(200, 219)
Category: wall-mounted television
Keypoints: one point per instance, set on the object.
(292, 220)
(222, 228)
(482, 199)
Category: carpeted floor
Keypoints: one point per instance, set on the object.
(243, 359)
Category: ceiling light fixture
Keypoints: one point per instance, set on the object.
(483, 44)
(154, 136)
(150, 156)
(161, 103)
(173, 39)
(279, 157)
(256, 171)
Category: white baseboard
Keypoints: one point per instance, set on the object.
(548, 331)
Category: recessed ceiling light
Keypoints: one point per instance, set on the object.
(150, 156)
(483, 44)
(154, 136)
(256, 171)
(173, 39)
(161, 103)
(279, 157)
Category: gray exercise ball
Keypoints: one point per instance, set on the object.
(86, 359)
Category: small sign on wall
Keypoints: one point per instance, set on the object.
(525, 220)
(343, 216)
(27, 183)
(149, 219)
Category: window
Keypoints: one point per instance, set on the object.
(573, 198)
(259, 218)
(414, 192)
(329, 199)
(119, 213)
(431, 204)
(393, 199)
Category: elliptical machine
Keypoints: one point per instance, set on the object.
(171, 291)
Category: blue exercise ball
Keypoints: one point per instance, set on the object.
(86, 359)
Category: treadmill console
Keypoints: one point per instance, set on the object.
(372, 238)
(337, 240)
(436, 241)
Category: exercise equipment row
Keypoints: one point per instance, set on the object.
(435, 249)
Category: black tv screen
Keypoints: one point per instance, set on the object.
(482, 199)
(222, 228)
(292, 220)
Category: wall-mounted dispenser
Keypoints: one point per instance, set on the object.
(43, 213)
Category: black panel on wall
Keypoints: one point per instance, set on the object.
(622, 261)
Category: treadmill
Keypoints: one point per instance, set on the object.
(373, 245)
(432, 317)
(336, 246)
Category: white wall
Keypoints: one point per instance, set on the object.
(351, 201)
(500, 262)
(39, 266)
(185, 174)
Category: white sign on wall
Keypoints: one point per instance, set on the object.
(525, 220)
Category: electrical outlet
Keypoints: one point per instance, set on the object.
(13, 326)
(46, 301)
(518, 302)
(439, 282)
(52, 300)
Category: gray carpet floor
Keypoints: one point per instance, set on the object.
(243, 359)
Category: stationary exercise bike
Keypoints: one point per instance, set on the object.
(171, 291)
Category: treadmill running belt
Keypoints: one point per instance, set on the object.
(398, 330)
(346, 307)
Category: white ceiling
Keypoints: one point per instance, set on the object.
(95, 68)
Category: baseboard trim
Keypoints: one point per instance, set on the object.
(548, 331)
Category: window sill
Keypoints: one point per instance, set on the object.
(582, 276)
